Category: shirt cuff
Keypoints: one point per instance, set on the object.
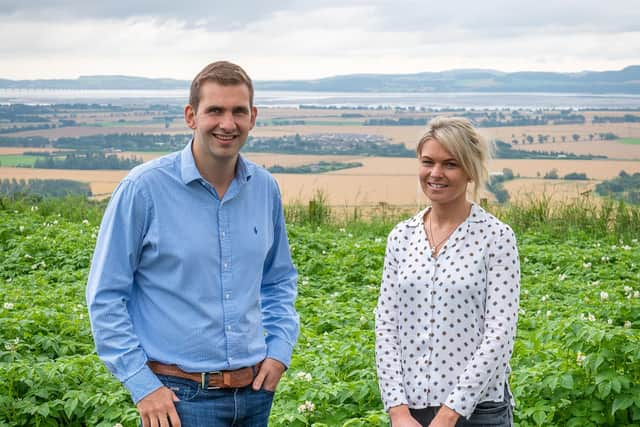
(142, 383)
(279, 350)
(460, 402)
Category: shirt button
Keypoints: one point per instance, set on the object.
(228, 327)
(224, 234)
(227, 296)
(226, 265)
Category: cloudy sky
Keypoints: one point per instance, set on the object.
(299, 39)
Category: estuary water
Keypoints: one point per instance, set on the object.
(294, 99)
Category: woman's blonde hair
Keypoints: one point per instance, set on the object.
(458, 136)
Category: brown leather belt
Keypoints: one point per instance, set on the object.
(211, 380)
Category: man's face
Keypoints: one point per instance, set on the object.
(222, 122)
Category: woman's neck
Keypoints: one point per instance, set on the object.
(449, 214)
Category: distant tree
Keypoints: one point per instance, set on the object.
(507, 173)
(576, 176)
(529, 139)
(564, 138)
(552, 174)
(575, 137)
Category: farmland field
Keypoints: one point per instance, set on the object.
(380, 179)
(577, 353)
(12, 160)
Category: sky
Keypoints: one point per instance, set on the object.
(306, 39)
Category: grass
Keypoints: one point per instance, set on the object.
(17, 160)
(630, 141)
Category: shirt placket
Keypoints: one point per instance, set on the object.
(226, 277)
(431, 281)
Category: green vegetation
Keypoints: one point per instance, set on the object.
(632, 141)
(576, 359)
(17, 160)
(505, 151)
(496, 186)
(579, 176)
(350, 144)
(43, 187)
(87, 160)
(623, 187)
(627, 118)
(319, 167)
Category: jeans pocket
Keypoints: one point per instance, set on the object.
(184, 389)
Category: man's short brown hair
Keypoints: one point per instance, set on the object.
(222, 72)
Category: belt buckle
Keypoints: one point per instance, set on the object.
(203, 379)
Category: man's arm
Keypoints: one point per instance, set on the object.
(278, 293)
(114, 263)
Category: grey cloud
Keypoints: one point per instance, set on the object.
(508, 17)
(222, 15)
(491, 17)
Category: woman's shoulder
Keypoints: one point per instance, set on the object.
(487, 220)
(409, 225)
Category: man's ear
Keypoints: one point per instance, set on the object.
(190, 116)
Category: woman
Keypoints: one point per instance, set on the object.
(447, 311)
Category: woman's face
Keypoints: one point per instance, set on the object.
(442, 177)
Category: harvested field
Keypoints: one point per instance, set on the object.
(380, 179)
(525, 189)
(409, 135)
(22, 150)
(263, 159)
(611, 149)
(595, 169)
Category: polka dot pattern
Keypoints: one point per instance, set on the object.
(445, 326)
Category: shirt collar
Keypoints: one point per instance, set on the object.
(477, 214)
(189, 171)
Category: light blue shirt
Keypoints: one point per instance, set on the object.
(181, 277)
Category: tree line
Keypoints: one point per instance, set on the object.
(623, 187)
(44, 187)
(87, 160)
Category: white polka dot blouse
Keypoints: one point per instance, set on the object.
(445, 326)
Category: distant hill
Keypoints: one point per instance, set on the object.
(626, 80)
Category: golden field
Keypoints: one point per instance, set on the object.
(380, 179)
(388, 180)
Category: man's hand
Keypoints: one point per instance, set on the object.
(401, 417)
(269, 375)
(157, 409)
(446, 417)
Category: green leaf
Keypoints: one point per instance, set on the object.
(566, 381)
(621, 403)
(70, 407)
(539, 417)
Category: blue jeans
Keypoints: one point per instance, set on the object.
(231, 407)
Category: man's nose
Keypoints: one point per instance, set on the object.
(227, 122)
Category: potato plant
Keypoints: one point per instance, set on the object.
(576, 359)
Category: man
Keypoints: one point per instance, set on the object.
(191, 290)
